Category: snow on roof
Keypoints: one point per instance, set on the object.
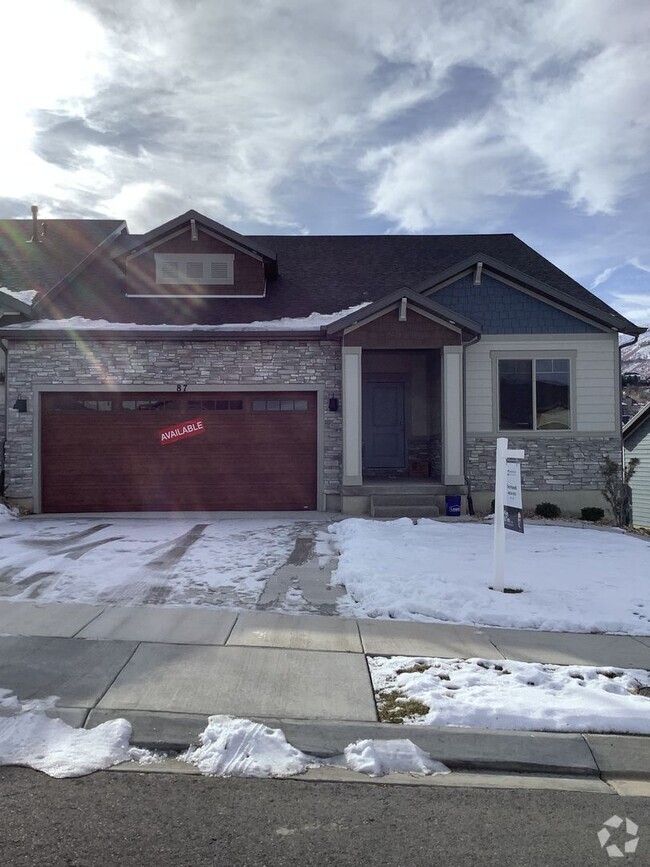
(24, 295)
(313, 322)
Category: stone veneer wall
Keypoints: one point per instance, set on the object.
(552, 463)
(133, 364)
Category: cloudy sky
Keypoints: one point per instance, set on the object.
(286, 116)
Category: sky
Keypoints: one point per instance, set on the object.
(345, 117)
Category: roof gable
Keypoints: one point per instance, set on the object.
(139, 243)
(480, 263)
(412, 300)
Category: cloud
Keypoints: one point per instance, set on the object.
(446, 114)
(635, 307)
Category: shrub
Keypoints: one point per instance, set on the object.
(617, 488)
(548, 510)
(592, 513)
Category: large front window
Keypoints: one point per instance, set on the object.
(534, 394)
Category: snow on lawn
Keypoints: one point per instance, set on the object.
(573, 580)
(29, 737)
(178, 561)
(481, 693)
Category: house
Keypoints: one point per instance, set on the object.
(636, 442)
(352, 373)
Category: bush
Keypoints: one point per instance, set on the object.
(617, 488)
(548, 510)
(592, 513)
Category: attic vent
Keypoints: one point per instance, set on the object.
(195, 268)
(168, 272)
(219, 270)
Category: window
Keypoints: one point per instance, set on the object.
(534, 393)
(67, 403)
(200, 268)
(215, 404)
(279, 406)
(150, 405)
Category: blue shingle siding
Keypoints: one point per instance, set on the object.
(500, 309)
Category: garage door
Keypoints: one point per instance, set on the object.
(160, 452)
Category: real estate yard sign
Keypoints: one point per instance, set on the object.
(501, 501)
(513, 515)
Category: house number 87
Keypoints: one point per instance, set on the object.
(181, 386)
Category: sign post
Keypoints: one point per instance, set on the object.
(514, 496)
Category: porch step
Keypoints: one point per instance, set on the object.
(395, 505)
(404, 511)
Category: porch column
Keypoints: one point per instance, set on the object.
(352, 466)
(452, 430)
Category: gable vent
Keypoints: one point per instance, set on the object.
(219, 269)
(203, 269)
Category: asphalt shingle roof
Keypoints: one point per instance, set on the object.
(322, 274)
(66, 243)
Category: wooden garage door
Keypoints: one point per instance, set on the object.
(103, 452)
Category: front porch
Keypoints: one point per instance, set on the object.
(406, 498)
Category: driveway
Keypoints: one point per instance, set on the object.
(228, 560)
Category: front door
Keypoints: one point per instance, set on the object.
(384, 442)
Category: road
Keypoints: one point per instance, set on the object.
(146, 819)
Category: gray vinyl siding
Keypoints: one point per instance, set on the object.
(637, 445)
(594, 359)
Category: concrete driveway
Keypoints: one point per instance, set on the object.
(258, 561)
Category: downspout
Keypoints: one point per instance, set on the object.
(470, 502)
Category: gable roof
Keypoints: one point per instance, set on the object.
(600, 312)
(358, 317)
(306, 274)
(63, 247)
(136, 242)
(642, 416)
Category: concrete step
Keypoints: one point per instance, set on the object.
(403, 499)
(371, 489)
(404, 511)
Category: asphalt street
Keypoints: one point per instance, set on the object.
(117, 818)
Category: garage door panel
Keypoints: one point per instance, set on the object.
(250, 456)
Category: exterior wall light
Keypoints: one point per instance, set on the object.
(20, 404)
(334, 404)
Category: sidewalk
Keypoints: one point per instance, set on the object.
(167, 669)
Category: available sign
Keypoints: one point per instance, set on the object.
(181, 431)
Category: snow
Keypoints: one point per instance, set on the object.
(233, 747)
(7, 514)
(504, 694)
(24, 295)
(396, 756)
(29, 737)
(313, 322)
(131, 561)
(573, 580)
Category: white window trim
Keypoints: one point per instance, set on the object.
(205, 259)
(533, 355)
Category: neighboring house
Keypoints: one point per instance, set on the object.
(636, 441)
(368, 373)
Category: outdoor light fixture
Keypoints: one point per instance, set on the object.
(334, 404)
(21, 404)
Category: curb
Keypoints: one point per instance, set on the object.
(552, 753)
